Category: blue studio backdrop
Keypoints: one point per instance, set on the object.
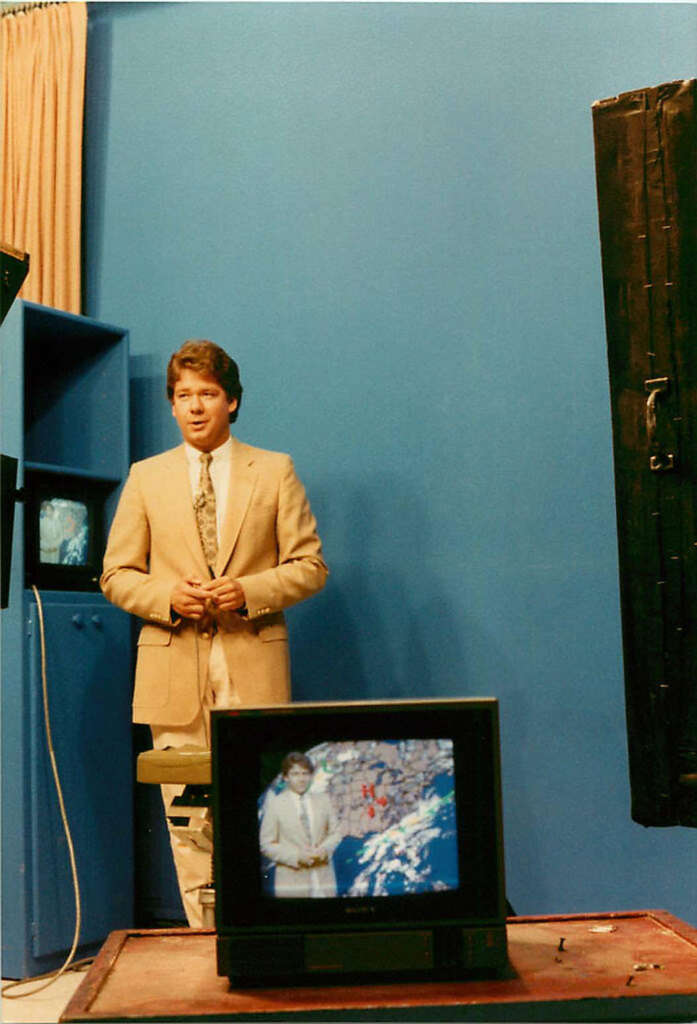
(387, 213)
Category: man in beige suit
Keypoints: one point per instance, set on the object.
(210, 542)
(299, 832)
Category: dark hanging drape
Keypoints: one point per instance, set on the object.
(646, 165)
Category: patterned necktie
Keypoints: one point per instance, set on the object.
(305, 820)
(205, 511)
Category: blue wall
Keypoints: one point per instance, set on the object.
(388, 214)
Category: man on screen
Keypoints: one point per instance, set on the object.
(50, 533)
(210, 542)
(299, 833)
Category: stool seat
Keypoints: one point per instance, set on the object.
(188, 765)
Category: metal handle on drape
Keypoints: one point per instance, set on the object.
(663, 461)
(651, 416)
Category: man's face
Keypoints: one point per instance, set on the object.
(298, 779)
(202, 410)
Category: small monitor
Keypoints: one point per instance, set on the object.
(358, 839)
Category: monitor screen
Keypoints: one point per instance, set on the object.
(358, 818)
(63, 532)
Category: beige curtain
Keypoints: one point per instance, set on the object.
(42, 85)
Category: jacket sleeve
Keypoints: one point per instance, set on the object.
(126, 579)
(301, 570)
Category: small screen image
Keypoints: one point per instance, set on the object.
(360, 818)
(63, 532)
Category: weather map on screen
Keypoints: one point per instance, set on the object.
(361, 818)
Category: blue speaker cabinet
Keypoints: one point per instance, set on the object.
(64, 391)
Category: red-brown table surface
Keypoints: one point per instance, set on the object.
(635, 965)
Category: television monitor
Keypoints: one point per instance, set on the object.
(399, 870)
(64, 531)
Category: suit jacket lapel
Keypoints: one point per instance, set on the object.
(181, 503)
(243, 477)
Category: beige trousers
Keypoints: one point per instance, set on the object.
(193, 865)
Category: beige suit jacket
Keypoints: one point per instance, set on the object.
(281, 838)
(268, 542)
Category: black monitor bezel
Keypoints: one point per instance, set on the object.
(240, 735)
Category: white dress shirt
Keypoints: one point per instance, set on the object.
(304, 800)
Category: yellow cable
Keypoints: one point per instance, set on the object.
(53, 976)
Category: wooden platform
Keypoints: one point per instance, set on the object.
(639, 965)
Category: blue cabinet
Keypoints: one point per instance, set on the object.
(64, 391)
(88, 668)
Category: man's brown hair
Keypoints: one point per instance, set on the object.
(210, 359)
(295, 757)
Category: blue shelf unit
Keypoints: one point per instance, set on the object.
(64, 389)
